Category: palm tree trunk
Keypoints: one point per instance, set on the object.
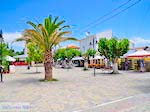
(48, 61)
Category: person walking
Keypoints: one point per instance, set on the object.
(1, 72)
(142, 65)
(126, 64)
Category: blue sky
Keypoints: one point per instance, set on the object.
(133, 23)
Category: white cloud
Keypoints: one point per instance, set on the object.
(140, 41)
(10, 37)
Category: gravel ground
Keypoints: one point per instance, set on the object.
(78, 90)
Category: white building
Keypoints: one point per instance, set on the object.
(91, 41)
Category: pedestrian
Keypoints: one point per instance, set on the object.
(126, 64)
(1, 68)
(142, 65)
(1, 72)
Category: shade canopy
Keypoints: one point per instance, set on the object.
(21, 56)
(11, 59)
(77, 58)
(139, 53)
(128, 53)
(97, 57)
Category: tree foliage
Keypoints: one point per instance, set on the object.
(19, 52)
(34, 53)
(66, 53)
(12, 52)
(90, 52)
(5, 51)
(48, 34)
(60, 54)
(113, 48)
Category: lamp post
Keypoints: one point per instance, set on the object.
(67, 59)
(93, 45)
(1, 41)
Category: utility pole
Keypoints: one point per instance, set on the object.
(93, 44)
(1, 61)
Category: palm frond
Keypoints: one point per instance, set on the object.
(43, 30)
(66, 26)
(47, 35)
(34, 36)
(34, 26)
(47, 25)
(64, 33)
(55, 20)
(60, 23)
(20, 39)
(63, 39)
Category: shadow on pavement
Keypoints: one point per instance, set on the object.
(26, 81)
(31, 73)
(143, 86)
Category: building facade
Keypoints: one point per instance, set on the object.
(91, 41)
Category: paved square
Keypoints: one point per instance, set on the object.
(76, 90)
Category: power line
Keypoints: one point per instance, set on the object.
(138, 1)
(108, 13)
(118, 13)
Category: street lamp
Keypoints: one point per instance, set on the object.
(1, 68)
(93, 44)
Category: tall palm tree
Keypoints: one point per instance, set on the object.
(47, 35)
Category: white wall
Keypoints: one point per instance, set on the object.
(85, 43)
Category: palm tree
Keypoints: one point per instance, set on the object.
(47, 35)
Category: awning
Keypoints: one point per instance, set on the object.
(128, 53)
(78, 58)
(11, 59)
(139, 54)
(97, 57)
(21, 56)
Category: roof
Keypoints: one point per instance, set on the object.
(97, 57)
(21, 56)
(73, 47)
(139, 53)
(77, 58)
(126, 54)
(140, 48)
(10, 59)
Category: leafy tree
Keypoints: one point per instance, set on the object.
(90, 52)
(71, 53)
(112, 49)
(4, 52)
(60, 54)
(34, 53)
(19, 52)
(76, 52)
(46, 36)
(12, 52)
(29, 60)
(66, 53)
